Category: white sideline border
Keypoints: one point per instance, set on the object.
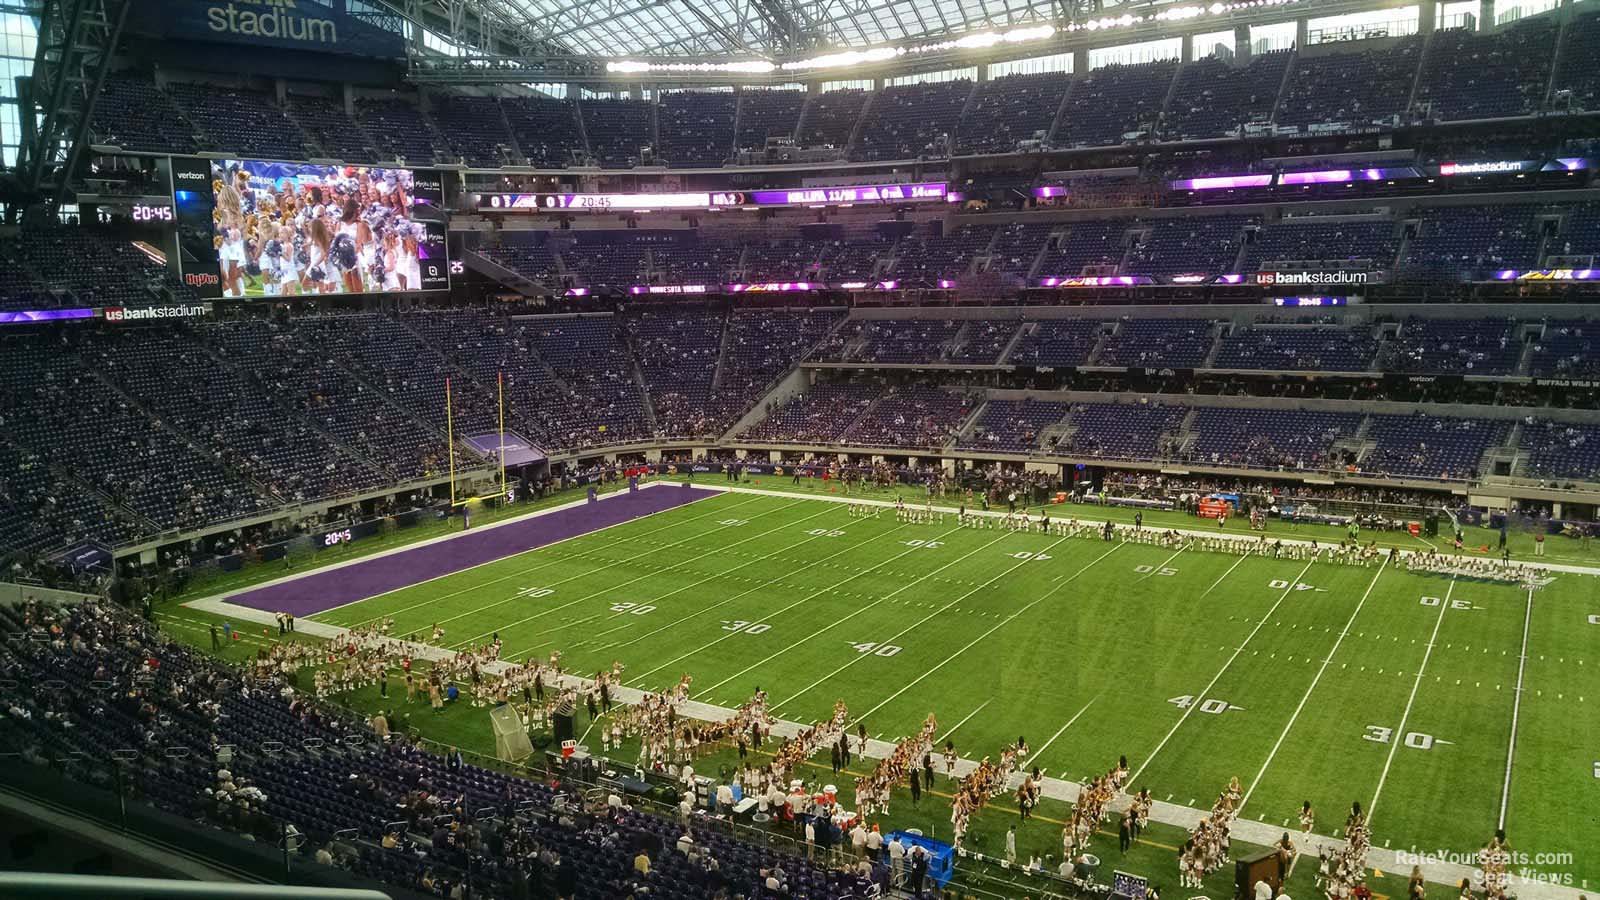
(1250, 831)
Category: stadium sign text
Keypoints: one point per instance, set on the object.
(284, 24)
(1334, 276)
(180, 311)
(278, 20)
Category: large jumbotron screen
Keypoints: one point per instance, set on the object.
(287, 229)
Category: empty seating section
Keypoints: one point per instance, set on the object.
(1017, 247)
(1009, 110)
(913, 120)
(98, 269)
(1455, 243)
(1567, 349)
(1313, 242)
(490, 350)
(1484, 76)
(1298, 348)
(302, 375)
(697, 127)
(134, 114)
(1121, 430)
(1113, 101)
(1056, 343)
(930, 259)
(1215, 98)
(1351, 87)
(982, 341)
(786, 261)
(604, 404)
(617, 266)
(1560, 450)
(325, 122)
(1012, 426)
(845, 262)
(474, 129)
(830, 118)
(546, 131)
(902, 340)
(1576, 72)
(1453, 346)
(535, 262)
(1268, 438)
(239, 122)
(1423, 446)
(677, 351)
(1100, 244)
(1580, 234)
(617, 130)
(763, 344)
(682, 263)
(400, 130)
(818, 416)
(119, 687)
(19, 289)
(1201, 245)
(1164, 343)
(767, 114)
(913, 417)
(82, 426)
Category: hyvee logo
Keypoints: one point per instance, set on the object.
(201, 279)
(278, 20)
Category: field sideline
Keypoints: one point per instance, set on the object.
(1307, 680)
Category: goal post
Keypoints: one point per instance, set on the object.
(511, 742)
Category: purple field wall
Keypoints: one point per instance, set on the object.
(319, 591)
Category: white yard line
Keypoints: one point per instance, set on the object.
(974, 642)
(1313, 686)
(651, 574)
(1516, 708)
(897, 635)
(813, 595)
(1224, 575)
(957, 727)
(1039, 754)
(531, 569)
(1399, 733)
(765, 584)
(1200, 697)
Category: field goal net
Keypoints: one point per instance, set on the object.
(511, 742)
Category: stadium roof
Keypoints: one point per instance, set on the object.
(767, 28)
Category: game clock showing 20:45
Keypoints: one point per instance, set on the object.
(152, 212)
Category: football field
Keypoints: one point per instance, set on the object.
(1308, 680)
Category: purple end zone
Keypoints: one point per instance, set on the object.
(319, 591)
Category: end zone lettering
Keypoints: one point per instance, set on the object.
(181, 311)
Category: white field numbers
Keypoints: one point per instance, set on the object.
(1416, 740)
(534, 593)
(1454, 603)
(923, 544)
(1278, 584)
(742, 627)
(1210, 705)
(1029, 555)
(875, 648)
(733, 523)
(633, 609)
(1597, 770)
(825, 532)
(1594, 620)
(1155, 570)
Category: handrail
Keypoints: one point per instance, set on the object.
(53, 886)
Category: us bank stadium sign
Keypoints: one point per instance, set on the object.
(285, 24)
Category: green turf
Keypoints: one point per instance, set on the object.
(1084, 653)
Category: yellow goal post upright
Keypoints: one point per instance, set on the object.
(456, 498)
